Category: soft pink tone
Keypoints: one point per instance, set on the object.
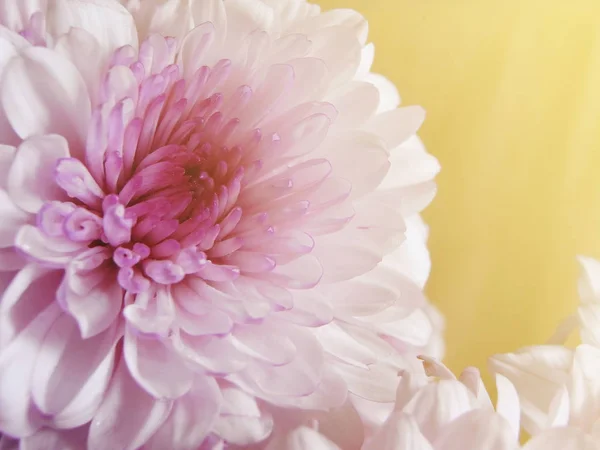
(209, 224)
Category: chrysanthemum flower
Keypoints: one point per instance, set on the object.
(197, 196)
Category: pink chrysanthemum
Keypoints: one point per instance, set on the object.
(196, 197)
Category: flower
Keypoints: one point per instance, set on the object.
(559, 384)
(204, 207)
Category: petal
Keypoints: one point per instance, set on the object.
(562, 439)
(399, 432)
(241, 422)
(75, 46)
(31, 178)
(53, 252)
(12, 219)
(508, 404)
(397, 125)
(65, 364)
(437, 404)
(538, 374)
(477, 430)
(99, 304)
(18, 417)
(128, 415)
(191, 418)
(51, 439)
(108, 21)
(156, 367)
(42, 93)
(303, 438)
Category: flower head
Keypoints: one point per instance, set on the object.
(204, 206)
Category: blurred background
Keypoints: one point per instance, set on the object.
(512, 93)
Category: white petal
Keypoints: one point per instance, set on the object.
(399, 432)
(562, 439)
(43, 92)
(437, 404)
(537, 373)
(477, 430)
(31, 178)
(508, 404)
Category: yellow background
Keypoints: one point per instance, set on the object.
(512, 93)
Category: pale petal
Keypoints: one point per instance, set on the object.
(66, 362)
(241, 422)
(537, 373)
(42, 93)
(562, 439)
(18, 416)
(508, 404)
(303, 438)
(477, 430)
(399, 432)
(51, 439)
(156, 367)
(108, 21)
(12, 219)
(191, 419)
(128, 415)
(397, 125)
(438, 404)
(31, 178)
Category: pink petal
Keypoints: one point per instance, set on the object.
(51, 439)
(128, 415)
(53, 252)
(298, 378)
(18, 417)
(264, 342)
(31, 178)
(191, 419)
(241, 422)
(12, 219)
(66, 362)
(304, 438)
(44, 93)
(98, 306)
(156, 366)
(25, 294)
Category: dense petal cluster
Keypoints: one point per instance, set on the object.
(434, 410)
(557, 382)
(209, 223)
